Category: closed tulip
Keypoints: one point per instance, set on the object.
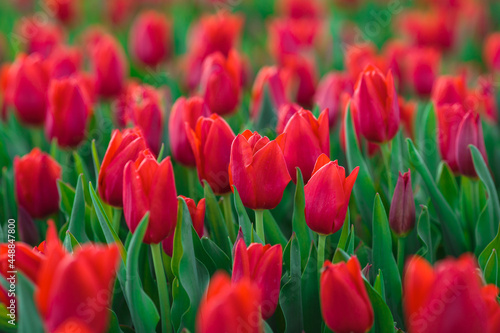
(422, 69)
(446, 298)
(285, 113)
(402, 212)
(449, 118)
(470, 132)
(229, 307)
(185, 111)
(327, 196)
(76, 286)
(41, 36)
(263, 265)
(66, 11)
(258, 169)
(302, 79)
(306, 139)
(151, 38)
(268, 79)
(329, 94)
(64, 62)
(491, 52)
(119, 11)
(124, 146)
(36, 176)
(345, 305)
(150, 186)
(220, 82)
(358, 57)
(449, 90)
(211, 143)
(68, 112)
(376, 101)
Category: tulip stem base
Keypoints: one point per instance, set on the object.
(259, 224)
(401, 254)
(228, 215)
(321, 251)
(166, 326)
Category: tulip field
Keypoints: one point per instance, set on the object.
(249, 166)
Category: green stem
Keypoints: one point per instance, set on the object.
(401, 254)
(117, 217)
(321, 251)
(386, 156)
(259, 224)
(192, 175)
(228, 215)
(166, 325)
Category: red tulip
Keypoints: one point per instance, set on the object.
(150, 186)
(64, 62)
(345, 305)
(76, 286)
(4, 85)
(40, 36)
(211, 145)
(306, 139)
(489, 294)
(485, 92)
(184, 111)
(298, 9)
(301, 82)
(402, 212)
(422, 69)
(229, 307)
(394, 54)
(262, 264)
(28, 82)
(270, 79)
(491, 52)
(408, 111)
(470, 132)
(327, 196)
(376, 101)
(449, 118)
(65, 10)
(449, 90)
(329, 92)
(285, 112)
(220, 82)
(27, 260)
(123, 147)
(109, 65)
(151, 38)
(258, 169)
(358, 57)
(444, 299)
(118, 11)
(36, 176)
(197, 214)
(68, 112)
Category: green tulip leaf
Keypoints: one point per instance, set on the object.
(26, 307)
(310, 294)
(491, 269)
(216, 220)
(299, 225)
(273, 233)
(77, 221)
(424, 233)
(243, 219)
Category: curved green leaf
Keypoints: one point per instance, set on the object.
(216, 220)
(302, 231)
(77, 221)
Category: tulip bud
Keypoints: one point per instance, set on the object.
(220, 82)
(268, 79)
(449, 118)
(211, 144)
(185, 111)
(329, 92)
(402, 212)
(123, 147)
(470, 132)
(491, 52)
(422, 69)
(229, 307)
(149, 186)
(69, 109)
(41, 36)
(64, 62)
(285, 112)
(455, 285)
(301, 81)
(28, 82)
(197, 214)
(358, 57)
(448, 90)
(151, 38)
(345, 305)
(376, 101)
(327, 196)
(36, 176)
(263, 265)
(258, 169)
(306, 139)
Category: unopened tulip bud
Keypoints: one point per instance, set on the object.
(402, 212)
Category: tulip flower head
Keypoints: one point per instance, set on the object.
(402, 212)
(268, 79)
(491, 51)
(329, 94)
(470, 132)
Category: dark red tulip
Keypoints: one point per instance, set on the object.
(345, 305)
(124, 147)
(300, 9)
(262, 264)
(402, 212)
(449, 90)
(151, 38)
(40, 36)
(327, 196)
(358, 57)
(4, 93)
(28, 261)
(306, 139)
(65, 10)
(211, 144)
(422, 69)
(118, 11)
(470, 132)
(185, 111)
(229, 307)
(68, 112)
(258, 169)
(285, 112)
(150, 186)
(329, 92)
(449, 118)
(36, 176)
(268, 79)
(376, 101)
(301, 81)
(64, 62)
(491, 52)
(220, 82)
(394, 54)
(485, 93)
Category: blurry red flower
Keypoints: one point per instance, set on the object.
(329, 92)
(402, 212)
(491, 52)
(470, 132)
(285, 112)
(64, 62)
(422, 69)
(65, 10)
(270, 79)
(39, 35)
(302, 79)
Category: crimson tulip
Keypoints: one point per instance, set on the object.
(28, 260)
(345, 305)
(491, 52)
(422, 69)
(394, 55)
(285, 113)
(36, 176)
(306, 139)
(358, 57)
(301, 81)
(118, 11)
(185, 111)
(470, 132)
(449, 118)
(64, 62)
(449, 90)
(211, 143)
(402, 212)
(230, 307)
(258, 169)
(268, 79)
(68, 112)
(65, 10)
(376, 101)
(124, 147)
(327, 196)
(263, 265)
(489, 294)
(329, 93)
(151, 38)
(220, 82)
(41, 36)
